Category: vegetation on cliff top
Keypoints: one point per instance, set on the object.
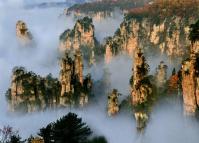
(107, 5)
(160, 10)
(86, 22)
(31, 92)
(33, 84)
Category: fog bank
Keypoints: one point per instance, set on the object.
(167, 123)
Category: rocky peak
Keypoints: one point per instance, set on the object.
(81, 35)
(23, 34)
(161, 34)
(85, 25)
(71, 70)
(190, 74)
(141, 89)
(140, 68)
(113, 103)
(30, 92)
(190, 82)
(66, 72)
(73, 85)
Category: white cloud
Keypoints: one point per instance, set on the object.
(166, 125)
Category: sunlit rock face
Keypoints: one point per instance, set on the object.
(141, 89)
(124, 40)
(140, 71)
(78, 62)
(154, 37)
(81, 35)
(30, 92)
(169, 36)
(190, 84)
(190, 73)
(73, 86)
(66, 73)
(113, 103)
(195, 47)
(23, 34)
(71, 67)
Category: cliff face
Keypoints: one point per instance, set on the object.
(141, 90)
(140, 71)
(190, 73)
(23, 34)
(73, 86)
(71, 70)
(96, 16)
(66, 74)
(30, 92)
(190, 82)
(161, 26)
(113, 103)
(82, 35)
(168, 37)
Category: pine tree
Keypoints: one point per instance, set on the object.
(68, 129)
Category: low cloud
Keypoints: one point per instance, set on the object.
(167, 123)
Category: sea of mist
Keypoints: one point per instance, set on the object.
(167, 123)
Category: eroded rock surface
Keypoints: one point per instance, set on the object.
(113, 103)
(30, 92)
(81, 35)
(23, 34)
(141, 90)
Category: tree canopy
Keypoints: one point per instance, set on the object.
(68, 129)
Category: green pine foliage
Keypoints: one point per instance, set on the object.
(70, 129)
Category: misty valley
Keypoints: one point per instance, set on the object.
(99, 71)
